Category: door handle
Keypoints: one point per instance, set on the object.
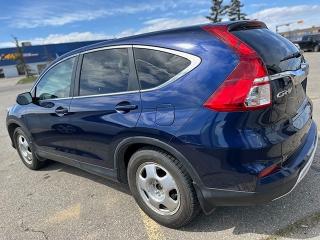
(60, 111)
(124, 108)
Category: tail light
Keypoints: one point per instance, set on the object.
(248, 86)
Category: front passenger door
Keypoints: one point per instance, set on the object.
(48, 116)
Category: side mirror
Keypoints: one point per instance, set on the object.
(24, 98)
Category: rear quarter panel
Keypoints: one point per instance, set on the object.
(180, 99)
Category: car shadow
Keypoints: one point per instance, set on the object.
(291, 216)
(60, 167)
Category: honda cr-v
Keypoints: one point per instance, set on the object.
(190, 118)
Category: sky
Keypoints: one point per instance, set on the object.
(56, 21)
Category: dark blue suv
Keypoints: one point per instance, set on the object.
(190, 119)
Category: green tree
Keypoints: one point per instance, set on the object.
(234, 11)
(21, 63)
(218, 10)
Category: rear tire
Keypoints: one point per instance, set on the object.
(162, 187)
(25, 151)
(316, 48)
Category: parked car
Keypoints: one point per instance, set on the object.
(190, 118)
(310, 42)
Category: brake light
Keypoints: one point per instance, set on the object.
(248, 86)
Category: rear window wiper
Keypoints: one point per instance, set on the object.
(293, 55)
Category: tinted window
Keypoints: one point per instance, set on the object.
(105, 71)
(56, 82)
(307, 38)
(272, 48)
(156, 67)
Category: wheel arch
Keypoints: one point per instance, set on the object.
(12, 124)
(11, 128)
(128, 146)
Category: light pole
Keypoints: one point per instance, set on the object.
(287, 24)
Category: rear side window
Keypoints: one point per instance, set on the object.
(156, 67)
(105, 71)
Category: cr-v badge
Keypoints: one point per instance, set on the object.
(284, 93)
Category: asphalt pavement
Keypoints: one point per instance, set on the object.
(62, 202)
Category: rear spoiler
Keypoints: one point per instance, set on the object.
(245, 25)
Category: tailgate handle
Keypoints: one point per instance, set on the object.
(296, 76)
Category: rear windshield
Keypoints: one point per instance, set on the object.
(273, 49)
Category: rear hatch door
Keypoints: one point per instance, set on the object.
(288, 72)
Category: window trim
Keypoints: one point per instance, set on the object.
(75, 64)
(132, 72)
(194, 62)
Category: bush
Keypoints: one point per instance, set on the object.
(24, 80)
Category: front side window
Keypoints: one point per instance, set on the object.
(105, 72)
(156, 67)
(56, 82)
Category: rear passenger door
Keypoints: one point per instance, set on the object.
(107, 106)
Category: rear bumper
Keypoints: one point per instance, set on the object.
(268, 189)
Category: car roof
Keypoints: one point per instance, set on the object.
(127, 40)
(156, 36)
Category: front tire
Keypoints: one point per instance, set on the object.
(316, 48)
(25, 151)
(162, 188)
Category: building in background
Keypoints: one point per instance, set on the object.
(296, 35)
(36, 57)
